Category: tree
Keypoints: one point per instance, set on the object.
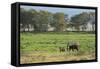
(76, 22)
(25, 19)
(92, 20)
(35, 20)
(41, 20)
(59, 21)
(22, 19)
(44, 20)
(80, 20)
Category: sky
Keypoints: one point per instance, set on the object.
(70, 11)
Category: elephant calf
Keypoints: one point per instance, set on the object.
(62, 49)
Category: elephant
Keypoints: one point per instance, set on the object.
(62, 49)
(73, 46)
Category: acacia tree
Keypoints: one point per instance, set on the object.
(59, 22)
(25, 19)
(80, 20)
(44, 20)
(41, 20)
(22, 19)
(76, 22)
(92, 20)
(35, 20)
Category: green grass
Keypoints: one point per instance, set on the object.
(46, 45)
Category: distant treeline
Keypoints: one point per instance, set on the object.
(42, 21)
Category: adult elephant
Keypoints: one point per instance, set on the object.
(73, 46)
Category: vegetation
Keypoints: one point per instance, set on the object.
(46, 45)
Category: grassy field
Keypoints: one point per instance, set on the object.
(44, 47)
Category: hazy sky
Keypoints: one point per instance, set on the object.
(69, 11)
